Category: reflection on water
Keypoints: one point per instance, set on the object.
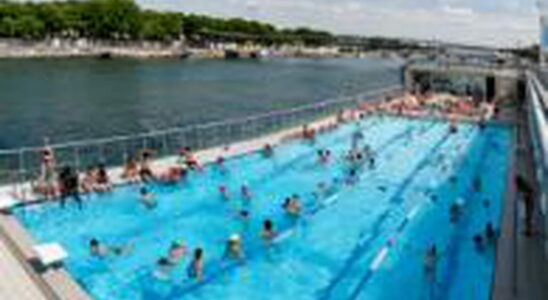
(74, 99)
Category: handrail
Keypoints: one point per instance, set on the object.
(201, 126)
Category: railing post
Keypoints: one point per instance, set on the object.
(102, 153)
(76, 159)
(20, 173)
(165, 144)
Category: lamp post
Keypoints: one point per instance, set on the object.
(543, 18)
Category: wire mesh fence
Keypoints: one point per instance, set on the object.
(20, 165)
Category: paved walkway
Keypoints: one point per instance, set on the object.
(522, 268)
(15, 282)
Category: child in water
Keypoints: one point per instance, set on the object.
(246, 193)
(196, 268)
(147, 198)
(234, 248)
(268, 234)
(292, 206)
(224, 193)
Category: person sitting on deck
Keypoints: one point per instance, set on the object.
(234, 248)
(131, 171)
(102, 181)
(147, 198)
(268, 150)
(190, 160)
(196, 268)
(268, 234)
(88, 183)
(172, 175)
(145, 171)
(308, 133)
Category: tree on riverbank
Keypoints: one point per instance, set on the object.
(125, 20)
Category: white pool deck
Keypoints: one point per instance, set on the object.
(15, 283)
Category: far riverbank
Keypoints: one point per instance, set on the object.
(46, 48)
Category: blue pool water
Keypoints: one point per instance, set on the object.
(333, 251)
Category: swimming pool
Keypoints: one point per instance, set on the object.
(359, 241)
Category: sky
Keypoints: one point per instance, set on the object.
(480, 22)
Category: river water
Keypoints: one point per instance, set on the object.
(75, 99)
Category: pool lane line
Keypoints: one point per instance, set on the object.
(394, 200)
(452, 247)
(389, 243)
(284, 234)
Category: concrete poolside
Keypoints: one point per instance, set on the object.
(18, 284)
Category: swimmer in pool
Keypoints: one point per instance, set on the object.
(176, 252)
(99, 249)
(163, 268)
(233, 248)
(292, 206)
(479, 243)
(321, 190)
(246, 193)
(268, 233)
(220, 162)
(431, 257)
(477, 184)
(268, 151)
(490, 233)
(455, 211)
(147, 198)
(196, 268)
(224, 193)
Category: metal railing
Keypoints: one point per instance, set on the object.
(21, 165)
(537, 111)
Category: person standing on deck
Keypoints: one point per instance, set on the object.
(527, 194)
(70, 186)
(48, 174)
